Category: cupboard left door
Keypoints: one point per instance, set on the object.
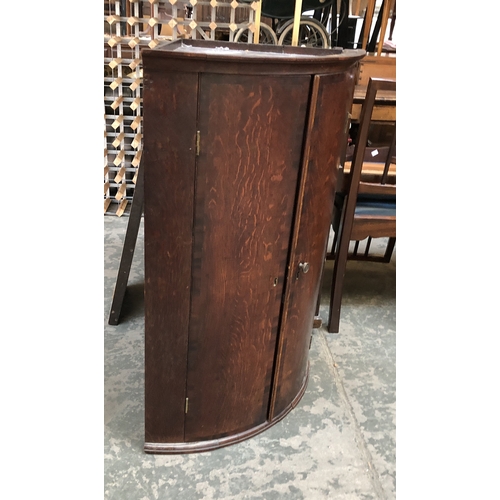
(251, 136)
(169, 109)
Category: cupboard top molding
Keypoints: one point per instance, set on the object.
(238, 58)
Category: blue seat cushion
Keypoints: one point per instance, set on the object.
(370, 204)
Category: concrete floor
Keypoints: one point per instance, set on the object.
(338, 443)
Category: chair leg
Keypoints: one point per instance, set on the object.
(337, 213)
(389, 249)
(336, 297)
(128, 250)
(318, 322)
(339, 268)
(318, 300)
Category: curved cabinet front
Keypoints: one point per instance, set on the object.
(240, 159)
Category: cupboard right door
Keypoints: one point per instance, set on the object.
(325, 141)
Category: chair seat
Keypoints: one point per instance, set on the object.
(379, 205)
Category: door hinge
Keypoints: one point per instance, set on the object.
(197, 143)
(186, 407)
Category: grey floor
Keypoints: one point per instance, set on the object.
(338, 443)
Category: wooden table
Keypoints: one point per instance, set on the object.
(385, 105)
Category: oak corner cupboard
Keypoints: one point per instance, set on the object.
(241, 150)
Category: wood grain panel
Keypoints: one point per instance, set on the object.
(169, 163)
(326, 138)
(250, 150)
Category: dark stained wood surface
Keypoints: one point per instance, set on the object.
(250, 148)
(128, 250)
(228, 317)
(206, 56)
(169, 175)
(326, 135)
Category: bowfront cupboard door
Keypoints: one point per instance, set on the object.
(326, 136)
(250, 141)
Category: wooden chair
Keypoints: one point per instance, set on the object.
(365, 205)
